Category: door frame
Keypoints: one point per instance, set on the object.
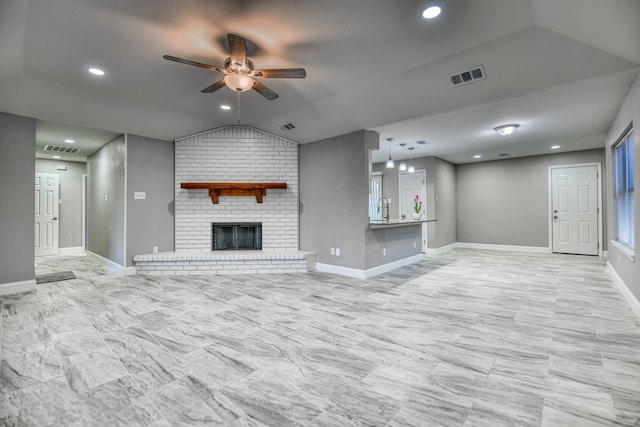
(598, 166)
(423, 172)
(83, 197)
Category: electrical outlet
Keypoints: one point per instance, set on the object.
(337, 251)
(414, 245)
(333, 251)
(155, 249)
(106, 198)
(384, 252)
(140, 195)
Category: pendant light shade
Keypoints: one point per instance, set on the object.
(390, 164)
(411, 168)
(403, 165)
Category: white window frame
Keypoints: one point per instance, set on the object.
(627, 248)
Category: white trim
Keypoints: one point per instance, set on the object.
(371, 272)
(599, 197)
(375, 271)
(126, 196)
(76, 250)
(17, 287)
(129, 271)
(83, 214)
(510, 248)
(624, 250)
(633, 302)
(605, 254)
(118, 269)
(442, 249)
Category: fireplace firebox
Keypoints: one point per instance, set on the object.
(236, 236)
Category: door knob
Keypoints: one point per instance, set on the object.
(555, 211)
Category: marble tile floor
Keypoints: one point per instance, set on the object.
(468, 338)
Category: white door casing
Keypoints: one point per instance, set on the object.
(575, 209)
(410, 185)
(46, 214)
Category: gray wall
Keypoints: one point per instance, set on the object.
(398, 241)
(627, 269)
(17, 209)
(440, 201)
(105, 218)
(506, 202)
(70, 214)
(150, 222)
(334, 182)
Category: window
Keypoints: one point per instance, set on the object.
(623, 194)
(374, 196)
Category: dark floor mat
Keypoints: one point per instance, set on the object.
(55, 277)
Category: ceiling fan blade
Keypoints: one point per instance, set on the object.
(281, 73)
(214, 87)
(237, 50)
(194, 63)
(264, 91)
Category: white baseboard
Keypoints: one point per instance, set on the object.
(17, 287)
(633, 302)
(371, 272)
(129, 271)
(510, 248)
(605, 254)
(118, 269)
(77, 250)
(442, 249)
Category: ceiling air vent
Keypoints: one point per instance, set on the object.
(468, 76)
(287, 127)
(60, 149)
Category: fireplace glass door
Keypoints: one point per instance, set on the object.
(235, 236)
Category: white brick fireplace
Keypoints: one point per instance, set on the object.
(233, 154)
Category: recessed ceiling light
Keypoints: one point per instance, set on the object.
(555, 147)
(225, 107)
(96, 71)
(431, 12)
(56, 157)
(477, 156)
(70, 141)
(505, 130)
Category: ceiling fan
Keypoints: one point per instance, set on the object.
(240, 75)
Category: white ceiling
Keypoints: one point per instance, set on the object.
(560, 68)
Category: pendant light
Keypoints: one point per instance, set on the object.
(390, 164)
(411, 168)
(403, 165)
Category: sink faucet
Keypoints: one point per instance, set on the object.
(384, 199)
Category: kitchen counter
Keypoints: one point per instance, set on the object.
(375, 225)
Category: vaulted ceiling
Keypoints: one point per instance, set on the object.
(559, 68)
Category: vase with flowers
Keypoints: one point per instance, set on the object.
(417, 208)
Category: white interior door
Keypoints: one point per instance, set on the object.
(46, 215)
(410, 185)
(574, 196)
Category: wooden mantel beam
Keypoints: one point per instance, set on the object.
(217, 189)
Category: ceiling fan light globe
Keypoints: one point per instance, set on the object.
(238, 82)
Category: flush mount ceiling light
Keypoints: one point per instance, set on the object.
(555, 147)
(96, 71)
(411, 168)
(403, 165)
(390, 164)
(69, 141)
(505, 130)
(431, 12)
(225, 107)
(477, 156)
(56, 157)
